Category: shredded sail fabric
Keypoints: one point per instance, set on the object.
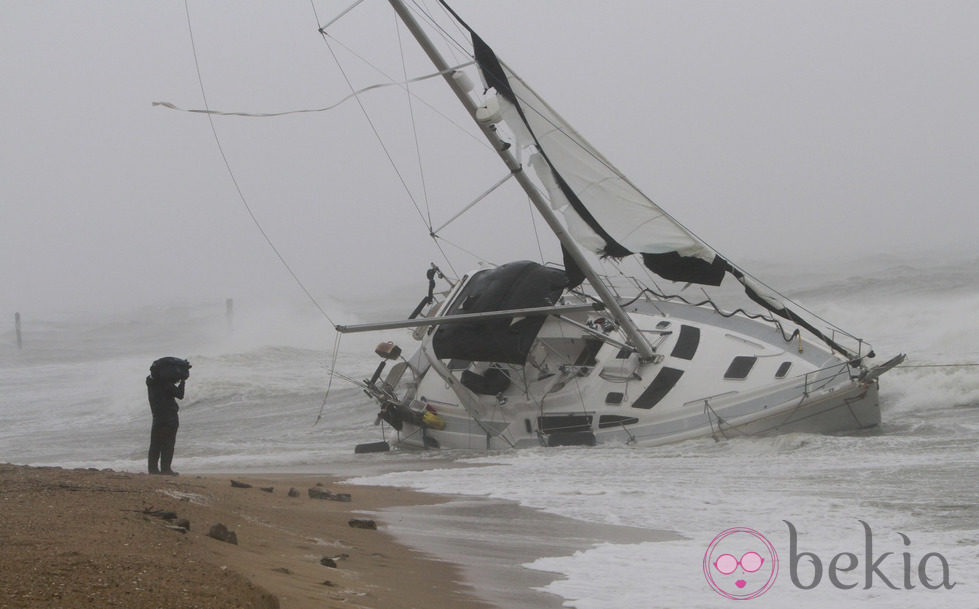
(308, 110)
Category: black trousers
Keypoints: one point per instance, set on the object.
(163, 436)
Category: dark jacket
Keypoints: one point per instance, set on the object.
(163, 397)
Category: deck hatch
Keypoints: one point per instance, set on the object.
(740, 367)
(783, 370)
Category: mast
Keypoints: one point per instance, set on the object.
(636, 339)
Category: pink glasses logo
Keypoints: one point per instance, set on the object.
(740, 564)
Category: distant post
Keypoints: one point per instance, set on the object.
(229, 311)
(20, 342)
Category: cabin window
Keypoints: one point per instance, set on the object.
(662, 325)
(658, 389)
(564, 422)
(686, 343)
(783, 370)
(615, 420)
(740, 367)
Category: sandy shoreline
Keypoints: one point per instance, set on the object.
(85, 538)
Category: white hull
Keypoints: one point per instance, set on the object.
(853, 409)
(561, 396)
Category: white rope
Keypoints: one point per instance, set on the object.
(352, 95)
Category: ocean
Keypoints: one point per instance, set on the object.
(888, 518)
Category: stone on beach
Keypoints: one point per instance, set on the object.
(317, 493)
(359, 523)
(221, 533)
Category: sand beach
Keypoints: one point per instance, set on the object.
(96, 538)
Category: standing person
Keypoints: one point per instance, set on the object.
(165, 385)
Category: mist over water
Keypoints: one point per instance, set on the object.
(75, 396)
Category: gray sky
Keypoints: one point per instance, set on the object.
(795, 130)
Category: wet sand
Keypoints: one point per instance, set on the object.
(491, 539)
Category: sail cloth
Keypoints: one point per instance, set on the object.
(604, 212)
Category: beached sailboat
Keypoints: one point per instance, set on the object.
(526, 354)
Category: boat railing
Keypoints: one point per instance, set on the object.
(818, 379)
(806, 385)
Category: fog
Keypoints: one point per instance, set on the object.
(783, 132)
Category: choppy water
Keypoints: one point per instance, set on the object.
(74, 396)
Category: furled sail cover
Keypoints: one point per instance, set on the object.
(604, 212)
(516, 285)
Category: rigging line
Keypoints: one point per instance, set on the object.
(414, 126)
(455, 24)
(459, 247)
(799, 306)
(424, 14)
(485, 194)
(446, 256)
(377, 134)
(478, 139)
(329, 383)
(338, 17)
(348, 97)
(234, 180)
(316, 14)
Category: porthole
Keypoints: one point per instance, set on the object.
(783, 370)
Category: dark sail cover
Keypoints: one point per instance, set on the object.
(516, 285)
